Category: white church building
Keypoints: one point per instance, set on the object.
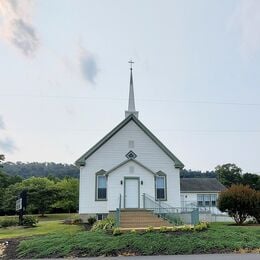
(128, 162)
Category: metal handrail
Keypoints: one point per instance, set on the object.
(164, 210)
(118, 212)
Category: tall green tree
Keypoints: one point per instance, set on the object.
(41, 194)
(5, 181)
(229, 174)
(68, 195)
(253, 180)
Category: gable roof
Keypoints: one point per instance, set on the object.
(127, 161)
(81, 160)
(201, 185)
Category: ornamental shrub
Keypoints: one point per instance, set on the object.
(105, 224)
(238, 201)
(201, 226)
(149, 229)
(117, 231)
(30, 221)
(77, 221)
(163, 229)
(8, 222)
(91, 221)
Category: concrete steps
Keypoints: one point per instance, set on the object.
(140, 219)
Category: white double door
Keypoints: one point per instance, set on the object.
(132, 193)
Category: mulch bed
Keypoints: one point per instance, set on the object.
(10, 248)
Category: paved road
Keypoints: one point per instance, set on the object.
(184, 257)
(177, 257)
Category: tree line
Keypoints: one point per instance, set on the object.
(37, 169)
(54, 187)
(44, 194)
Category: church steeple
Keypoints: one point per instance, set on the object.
(131, 101)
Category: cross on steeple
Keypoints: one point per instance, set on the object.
(131, 64)
(131, 101)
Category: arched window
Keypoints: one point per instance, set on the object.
(160, 186)
(101, 185)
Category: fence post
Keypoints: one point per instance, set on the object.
(195, 218)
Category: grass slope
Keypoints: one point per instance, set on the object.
(49, 224)
(218, 238)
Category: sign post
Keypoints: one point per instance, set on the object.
(21, 205)
(18, 204)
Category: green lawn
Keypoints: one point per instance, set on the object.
(48, 217)
(49, 224)
(73, 241)
(43, 228)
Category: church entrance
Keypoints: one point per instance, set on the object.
(131, 193)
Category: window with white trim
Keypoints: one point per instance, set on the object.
(160, 187)
(101, 189)
(206, 200)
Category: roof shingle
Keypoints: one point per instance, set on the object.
(201, 185)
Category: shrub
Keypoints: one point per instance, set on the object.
(255, 210)
(72, 221)
(149, 229)
(186, 228)
(238, 201)
(201, 226)
(8, 222)
(173, 229)
(163, 229)
(133, 231)
(30, 221)
(77, 221)
(117, 231)
(91, 221)
(105, 224)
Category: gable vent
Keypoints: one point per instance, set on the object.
(131, 155)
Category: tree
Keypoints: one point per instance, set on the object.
(255, 210)
(41, 194)
(68, 195)
(5, 181)
(229, 174)
(37, 169)
(238, 201)
(253, 180)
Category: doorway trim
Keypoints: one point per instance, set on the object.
(133, 178)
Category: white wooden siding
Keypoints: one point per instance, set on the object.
(190, 200)
(113, 153)
(115, 187)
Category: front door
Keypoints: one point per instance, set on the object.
(131, 193)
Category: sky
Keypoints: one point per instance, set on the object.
(64, 77)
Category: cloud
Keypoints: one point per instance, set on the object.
(2, 125)
(7, 145)
(16, 27)
(88, 65)
(246, 21)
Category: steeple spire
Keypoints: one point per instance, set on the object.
(131, 101)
